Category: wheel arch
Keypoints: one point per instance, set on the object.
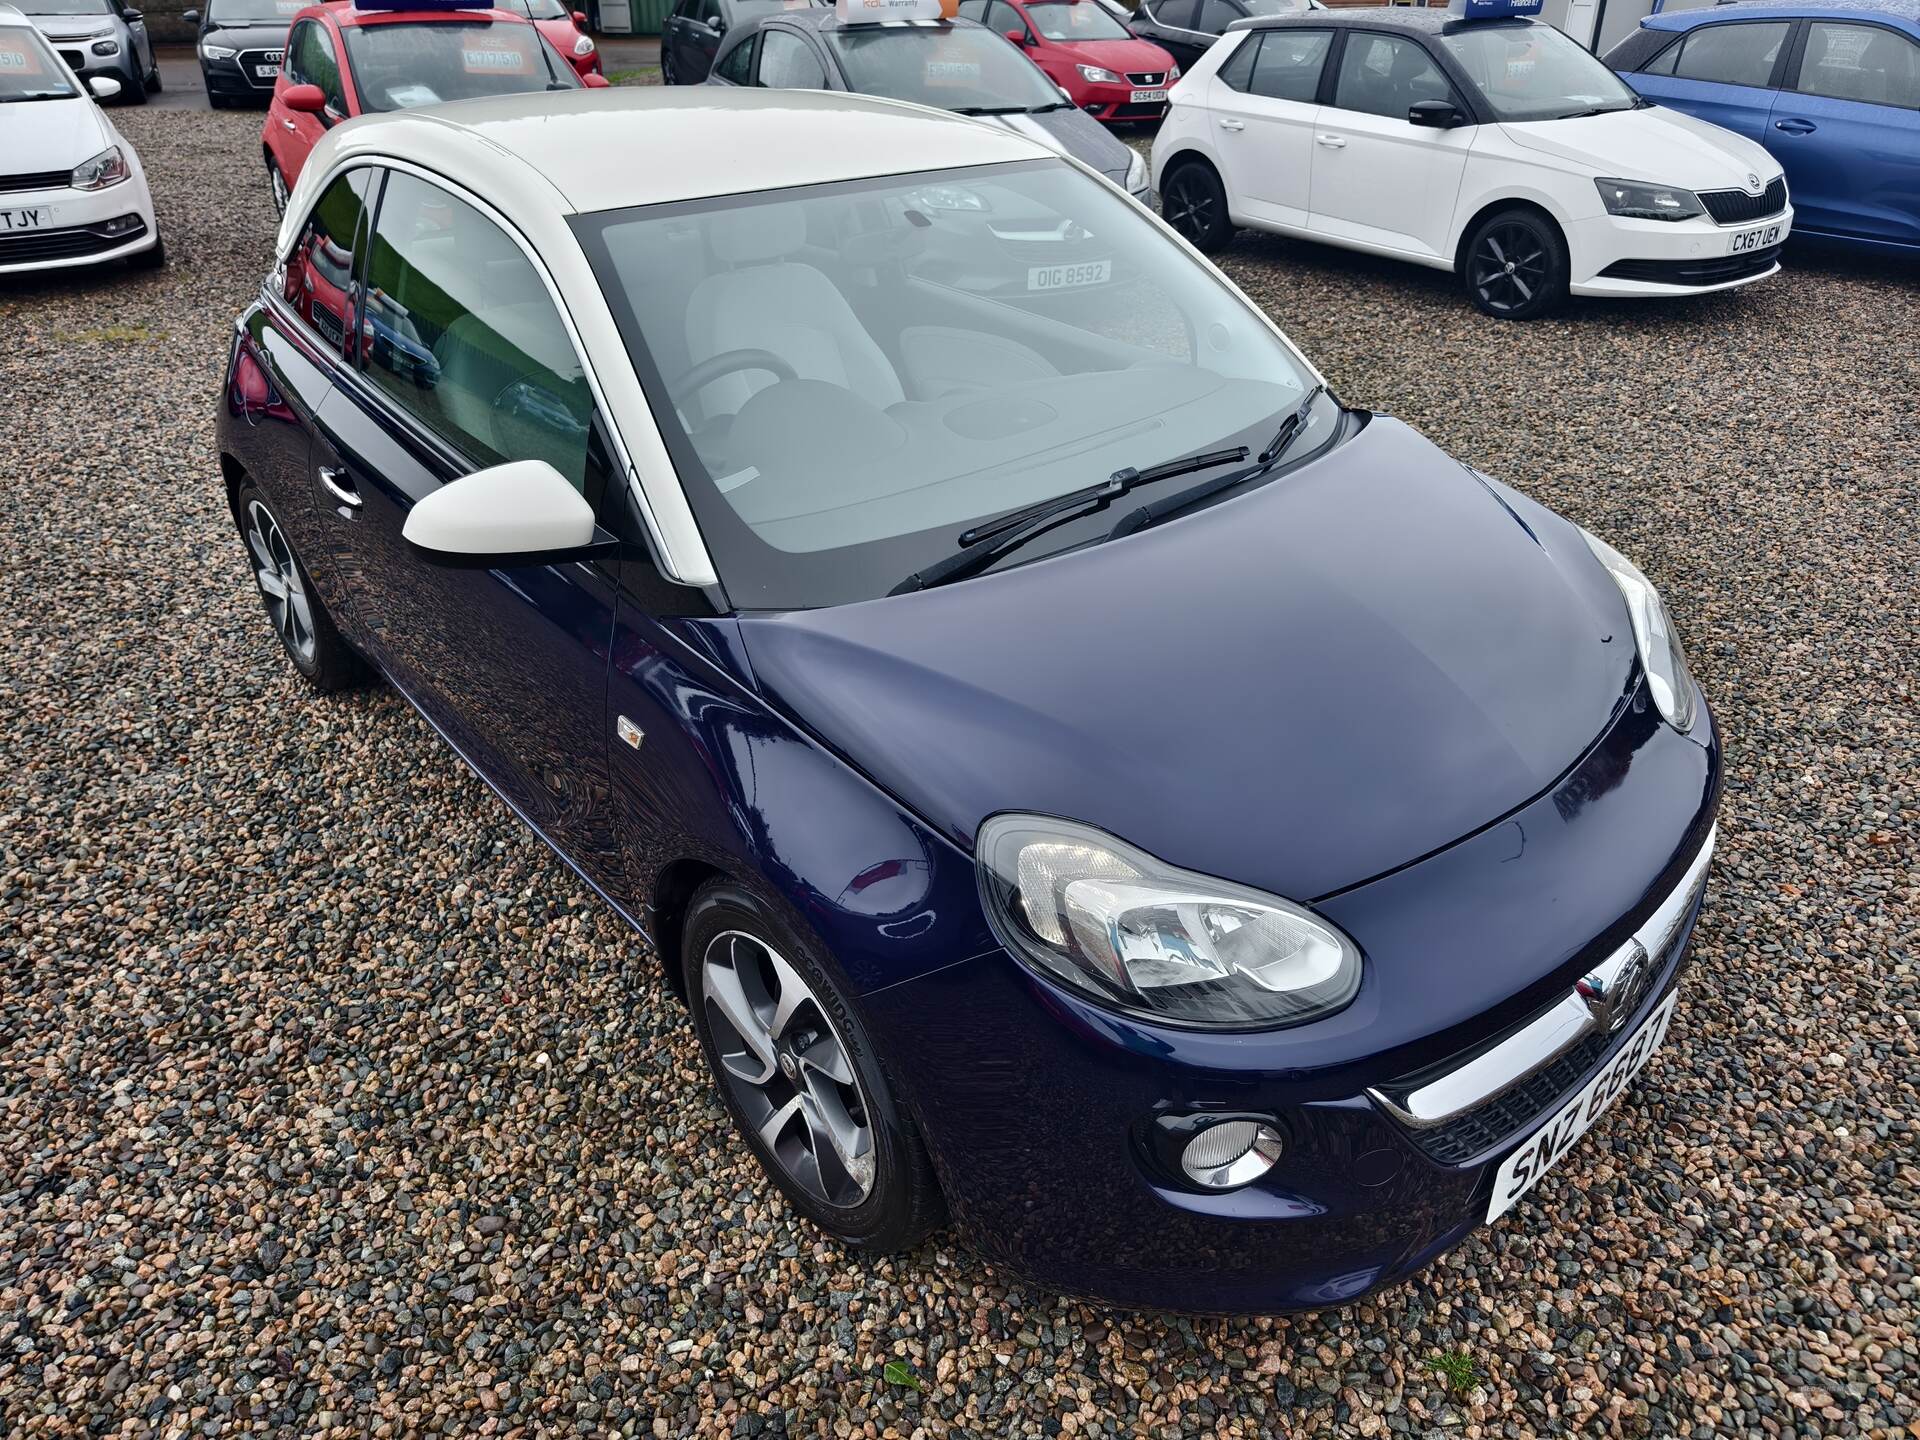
(1519, 201)
(673, 891)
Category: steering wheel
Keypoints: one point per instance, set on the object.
(726, 363)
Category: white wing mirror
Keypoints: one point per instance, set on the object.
(520, 513)
(104, 87)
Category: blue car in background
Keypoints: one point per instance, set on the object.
(1832, 89)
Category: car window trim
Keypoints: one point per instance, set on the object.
(694, 564)
(1864, 21)
(1775, 76)
(1466, 97)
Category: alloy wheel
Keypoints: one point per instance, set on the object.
(788, 1069)
(1188, 205)
(278, 575)
(1509, 267)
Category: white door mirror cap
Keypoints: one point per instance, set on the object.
(520, 513)
(104, 87)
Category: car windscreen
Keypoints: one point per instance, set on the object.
(254, 12)
(401, 66)
(958, 67)
(535, 9)
(29, 70)
(848, 376)
(1072, 20)
(1533, 72)
(65, 7)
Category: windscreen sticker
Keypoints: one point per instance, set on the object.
(494, 60)
(17, 59)
(952, 72)
(407, 97)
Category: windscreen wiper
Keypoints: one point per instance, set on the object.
(984, 544)
(990, 110)
(1290, 430)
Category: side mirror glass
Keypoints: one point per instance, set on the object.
(520, 513)
(307, 99)
(104, 87)
(1435, 114)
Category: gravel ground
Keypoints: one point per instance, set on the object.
(333, 1102)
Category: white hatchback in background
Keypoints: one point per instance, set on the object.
(1476, 140)
(71, 189)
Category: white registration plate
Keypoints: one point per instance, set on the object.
(1523, 1169)
(1148, 97)
(266, 72)
(40, 217)
(1758, 238)
(1067, 277)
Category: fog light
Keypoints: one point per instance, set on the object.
(1230, 1154)
(119, 224)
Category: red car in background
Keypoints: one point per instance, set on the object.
(353, 59)
(1106, 70)
(566, 31)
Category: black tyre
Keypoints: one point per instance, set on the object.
(799, 1075)
(666, 68)
(1515, 265)
(154, 258)
(154, 82)
(293, 607)
(1195, 203)
(277, 184)
(133, 89)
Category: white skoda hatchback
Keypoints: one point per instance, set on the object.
(1477, 140)
(71, 188)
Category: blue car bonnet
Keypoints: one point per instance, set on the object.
(1300, 688)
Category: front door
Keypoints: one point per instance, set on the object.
(1264, 111)
(1847, 132)
(1378, 179)
(463, 363)
(1723, 73)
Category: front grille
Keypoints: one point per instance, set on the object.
(250, 58)
(37, 180)
(63, 244)
(1512, 1111)
(75, 60)
(1737, 207)
(1720, 270)
(1148, 78)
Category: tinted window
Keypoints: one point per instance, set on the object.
(788, 63)
(1236, 72)
(1003, 17)
(242, 12)
(1216, 15)
(311, 61)
(737, 64)
(320, 283)
(709, 12)
(1860, 62)
(974, 10)
(397, 67)
(1073, 20)
(28, 69)
(1386, 75)
(461, 333)
(1175, 13)
(1732, 54)
(960, 68)
(1288, 67)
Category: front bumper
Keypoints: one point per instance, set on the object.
(80, 58)
(1113, 104)
(237, 78)
(1613, 256)
(1039, 1107)
(77, 229)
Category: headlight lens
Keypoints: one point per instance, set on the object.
(1653, 636)
(1136, 174)
(583, 46)
(109, 167)
(1097, 75)
(1142, 936)
(218, 52)
(105, 47)
(1637, 200)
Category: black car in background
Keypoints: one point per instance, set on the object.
(241, 44)
(1185, 28)
(97, 37)
(691, 35)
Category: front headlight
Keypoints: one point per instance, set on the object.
(1637, 200)
(217, 52)
(105, 47)
(1136, 174)
(109, 167)
(1097, 75)
(583, 46)
(1139, 935)
(1653, 636)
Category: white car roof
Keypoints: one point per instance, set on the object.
(612, 148)
(11, 16)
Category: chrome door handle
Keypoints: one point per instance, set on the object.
(289, 124)
(1795, 126)
(337, 485)
(1233, 124)
(1332, 142)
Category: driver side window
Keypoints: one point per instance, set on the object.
(1387, 75)
(788, 63)
(737, 64)
(311, 61)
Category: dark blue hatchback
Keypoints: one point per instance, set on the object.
(1083, 779)
(1830, 87)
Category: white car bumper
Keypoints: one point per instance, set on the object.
(75, 227)
(1613, 256)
